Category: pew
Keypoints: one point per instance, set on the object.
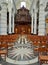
(36, 45)
(3, 50)
(43, 57)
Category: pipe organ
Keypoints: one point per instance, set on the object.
(23, 21)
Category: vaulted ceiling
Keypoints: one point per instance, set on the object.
(28, 3)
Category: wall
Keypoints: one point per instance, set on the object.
(42, 14)
(3, 17)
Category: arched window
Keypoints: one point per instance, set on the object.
(23, 4)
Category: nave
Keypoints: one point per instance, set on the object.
(23, 32)
(24, 51)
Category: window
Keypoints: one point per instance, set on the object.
(23, 4)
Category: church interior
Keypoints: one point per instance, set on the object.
(23, 32)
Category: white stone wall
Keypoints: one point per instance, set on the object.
(6, 4)
(42, 14)
(41, 28)
(3, 22)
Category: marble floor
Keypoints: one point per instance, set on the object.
(6, 63)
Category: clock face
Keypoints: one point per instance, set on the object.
(0, 8)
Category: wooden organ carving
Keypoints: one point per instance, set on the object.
(23, 21)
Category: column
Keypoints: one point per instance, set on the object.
(10, 15)
(35, 23)
(13, 24)
(10, 22)
(32, 24)
(41, 29)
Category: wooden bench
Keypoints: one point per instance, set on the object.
(36, 45)
(3, 49)
(10, 45)
(43, 59)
